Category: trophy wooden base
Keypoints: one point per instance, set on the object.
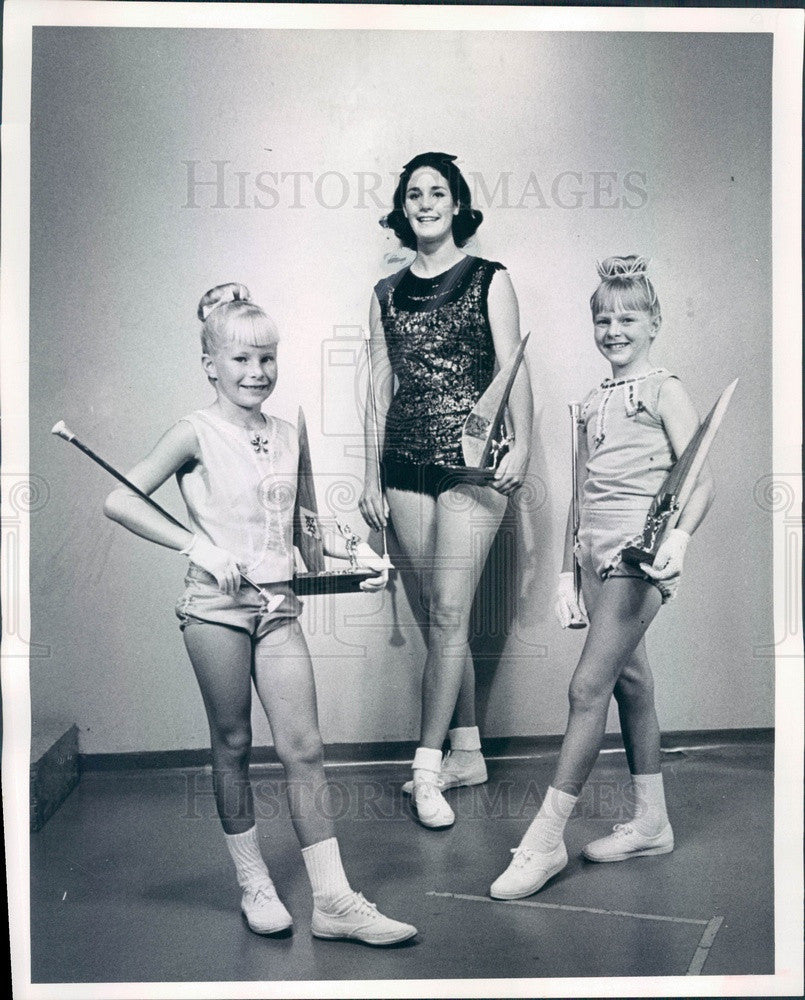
(634, 556)
(468, 474)
(346, 581)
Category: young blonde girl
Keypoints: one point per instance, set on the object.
(237, 471)
(633, 425)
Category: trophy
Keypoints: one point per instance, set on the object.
(677, 487)
(308, 538)
(487, 431)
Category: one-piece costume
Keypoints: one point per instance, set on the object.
(442, 354)
(629, 457)
(240, 496)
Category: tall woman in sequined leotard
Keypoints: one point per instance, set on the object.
(440, 327)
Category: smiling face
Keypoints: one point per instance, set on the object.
(624, 336)
(244, 375)
(429, 206)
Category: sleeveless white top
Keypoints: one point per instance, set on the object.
(629, 451)
(241, 494)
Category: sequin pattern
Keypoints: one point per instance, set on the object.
(442, 354)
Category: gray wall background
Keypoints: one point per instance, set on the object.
(667, 138)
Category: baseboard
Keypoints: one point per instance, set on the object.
(402, 751)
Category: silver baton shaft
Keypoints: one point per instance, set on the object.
(574, 502)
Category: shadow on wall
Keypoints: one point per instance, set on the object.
(518, 579)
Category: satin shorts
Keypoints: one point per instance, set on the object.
(248, 610)
(428, 479)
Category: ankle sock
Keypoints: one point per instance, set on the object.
(245, 851)
(650, 815)
(465, 738)
(548, 826)
(326, 873)
(427, 764)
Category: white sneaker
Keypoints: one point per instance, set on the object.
(454, 774)
(529, 871)
(431, 806)
(625, 842)
(359, 920)
(263, 909)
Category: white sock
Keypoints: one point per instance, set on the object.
(650, 815)
(465, 738)
(548, 826)
(245, 851)
(326, 873)
(427, 764)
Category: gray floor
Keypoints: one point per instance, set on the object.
(130, 879)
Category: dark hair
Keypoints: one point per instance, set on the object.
(464, 224)
(624, 280)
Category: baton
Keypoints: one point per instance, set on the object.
(367, 335)
(63, 431)
(574, 505)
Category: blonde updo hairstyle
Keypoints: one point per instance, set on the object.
(625, 285)
(227, 314)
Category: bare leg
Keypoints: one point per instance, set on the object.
(464, 712)
(283, 676)
(623, 610)
(414, 517)
(467, 520)
(634, 693)
(620, 611)
(221, 659)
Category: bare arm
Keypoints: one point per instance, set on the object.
(176, 448)
(504, 322)
(371, 504)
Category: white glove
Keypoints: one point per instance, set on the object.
(668, 562)
(367, 557)
(216, 561)
(565, 606)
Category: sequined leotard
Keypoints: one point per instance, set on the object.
(442, 353)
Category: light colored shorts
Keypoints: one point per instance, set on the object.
(202, 601)
(603, 533)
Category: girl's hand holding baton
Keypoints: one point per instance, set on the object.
(569, 603)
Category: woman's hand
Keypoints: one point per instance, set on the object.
(666, 569)
(372, 505)
(565, 606)
(367, 557)
(216, 561)
(511, 470)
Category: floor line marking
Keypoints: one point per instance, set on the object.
(705, 944)
(591, 909)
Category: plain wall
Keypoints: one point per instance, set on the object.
(667, 141)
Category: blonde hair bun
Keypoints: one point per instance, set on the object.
(232, 291)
